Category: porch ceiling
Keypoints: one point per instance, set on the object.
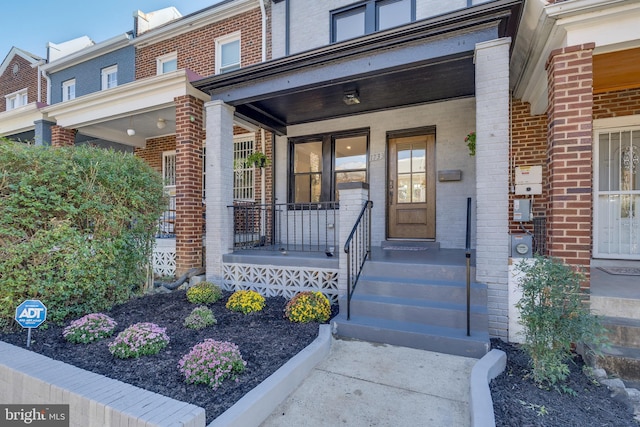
(423, 62)
(138, 105)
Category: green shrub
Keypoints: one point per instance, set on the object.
(211, 362)
(307, 307)
(554, 316)
(89, 328)
(200, 317)
(245, 302)
(204, 293)
(77, 227)
(138, 340)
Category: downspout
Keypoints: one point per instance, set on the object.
(264, 175)
(48, 79)
(263, 12)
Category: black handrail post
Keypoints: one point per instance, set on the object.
(468, 257)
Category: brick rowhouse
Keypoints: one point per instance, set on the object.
(570, 125)
(188, 226)
(62, 137)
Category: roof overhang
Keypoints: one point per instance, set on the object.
(20, 120)
(215, 13)
(108, 114)
(422, 62)
(83, 55)
(611, 24)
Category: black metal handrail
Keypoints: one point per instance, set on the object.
(300, 227)
(358, 250)
(467, 253)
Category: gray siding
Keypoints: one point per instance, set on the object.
(88, 74)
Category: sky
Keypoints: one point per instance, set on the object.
(31, 24)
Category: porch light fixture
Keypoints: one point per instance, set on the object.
(131, 131)
(351, 97)
(161, 123)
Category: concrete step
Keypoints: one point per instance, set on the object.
(623, 332)
(615, 306)
(623, 362)
(409, 270)
(422, 311)
(409, 245)
(413, 335)
(438, 290)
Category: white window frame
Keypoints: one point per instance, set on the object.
(164, 59)
(221, 41)
(169, 166)
(17, 99)
(69, 90)
(243, 174)
(106, 73)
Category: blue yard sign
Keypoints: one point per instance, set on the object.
(31, 314)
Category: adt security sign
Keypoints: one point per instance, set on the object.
(31, 314)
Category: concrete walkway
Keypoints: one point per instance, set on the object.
(368, 384)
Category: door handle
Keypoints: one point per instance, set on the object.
(390, 192)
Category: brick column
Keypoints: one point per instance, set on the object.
(219, 184)
(62, 137)
(188, 226)
(569, 151)
(492, 178)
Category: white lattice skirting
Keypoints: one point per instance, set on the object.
(277, 280)
(164, 257)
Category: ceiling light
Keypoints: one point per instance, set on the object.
(351, 97)
(131, 131)
(161, 123)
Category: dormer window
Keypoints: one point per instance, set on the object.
(370, 16)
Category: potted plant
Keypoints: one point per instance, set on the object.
(470, 139)
(258, 159)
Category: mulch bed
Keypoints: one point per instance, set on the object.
(518, 401)
(266, 340)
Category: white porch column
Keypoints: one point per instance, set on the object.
(352, 198)
(492, 178)
(219, 186)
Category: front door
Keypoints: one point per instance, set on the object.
(617, 229)
(411, 188)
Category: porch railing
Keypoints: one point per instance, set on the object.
(306, 227)
(167, 221)
(358, 250)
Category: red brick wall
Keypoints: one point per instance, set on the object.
(528, 148)
(570, 112)
(196, 49)
(27, 77)
(616, 104)
(189, 209)
(152, 152)
(62, 137)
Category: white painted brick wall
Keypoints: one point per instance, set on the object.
(219, 184)
(492, 161)
(311, 21)
(453, 121)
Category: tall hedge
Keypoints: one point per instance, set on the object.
(76, 227)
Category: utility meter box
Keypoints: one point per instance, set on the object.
(521, 246)
(522, 210)
(528, 180)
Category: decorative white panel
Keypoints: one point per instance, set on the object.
(285, 281)
(164, 257)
